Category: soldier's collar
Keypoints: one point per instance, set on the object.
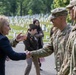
(63, 32)
(74, 28)
(65, 29)
(74, 22)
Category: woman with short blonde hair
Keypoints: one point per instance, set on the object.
(5, 46)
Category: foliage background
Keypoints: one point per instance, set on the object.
(25, 7)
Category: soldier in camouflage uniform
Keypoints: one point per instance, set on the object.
(72, 10)
(58, 39)
(69, 64)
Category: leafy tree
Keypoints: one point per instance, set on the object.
(35, 6)
(13, 7)
(24, 7)
(8, 7)
(47, 4)
(59, 3)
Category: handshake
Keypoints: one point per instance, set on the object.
(28, 54)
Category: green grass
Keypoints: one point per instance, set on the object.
(18, 27)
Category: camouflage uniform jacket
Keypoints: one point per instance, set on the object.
(70, 42)
(71, 51)
(57, 45)
(65, 68)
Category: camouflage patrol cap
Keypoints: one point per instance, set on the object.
(71, 4)
(61, 11)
